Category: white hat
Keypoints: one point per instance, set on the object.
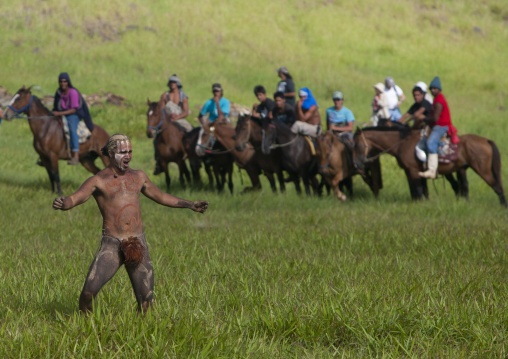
(421, 85)
(380, 86)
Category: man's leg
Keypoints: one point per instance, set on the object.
(142, 281)
(73, 122)
(107, 261)
(305, 129)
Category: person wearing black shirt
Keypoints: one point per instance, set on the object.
(266, 105)
(420, 109)
(282, 111)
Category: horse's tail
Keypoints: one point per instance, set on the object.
(496, 172)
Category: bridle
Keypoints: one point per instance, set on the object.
(23, 109)
(159, 125)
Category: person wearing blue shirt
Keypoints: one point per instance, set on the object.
(338, 117)
(217, 107)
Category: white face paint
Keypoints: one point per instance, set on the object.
(123, 155)
(16, 96)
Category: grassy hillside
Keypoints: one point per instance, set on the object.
(132, 48)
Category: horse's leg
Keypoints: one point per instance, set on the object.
(336, 188)
(425, 188)
(271, 179)
(282, 183)
(230, 177)
(316, 189)
(184, 171)
(415, 186)
(463, 183)
(348, 184)
(455, 185)
(296, 181)
(52, 169)
(165, 168)
(306, 185)
(195, 164)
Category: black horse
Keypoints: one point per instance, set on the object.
(296, 155)
(249, 132)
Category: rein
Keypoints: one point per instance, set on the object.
(25, 109)
(208, 146)
(276, 145)
(370, 159)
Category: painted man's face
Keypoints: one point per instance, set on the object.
(123, 155)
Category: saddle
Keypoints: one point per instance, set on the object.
(446, 151)
(83, 132)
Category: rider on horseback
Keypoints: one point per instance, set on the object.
(340, 119)
(441, 123)
(69, 103)
(308, 120)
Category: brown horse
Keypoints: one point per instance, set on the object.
(218, 156)
(249, 134)
(49, 138)
(336, 165)
(479, 153)
(168, 143)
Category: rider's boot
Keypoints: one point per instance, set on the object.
(432, 164)
(75, 159)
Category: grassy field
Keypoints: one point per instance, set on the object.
(259, 275)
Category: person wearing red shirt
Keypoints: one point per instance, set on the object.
(441, 122)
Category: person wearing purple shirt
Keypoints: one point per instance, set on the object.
(68, 106)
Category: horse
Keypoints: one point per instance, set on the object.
(49, 138)
(479, 153)
(336, 166)
(218, 156)
(168, 143)
(296, 156)
(249, 132)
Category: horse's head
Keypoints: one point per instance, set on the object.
(326, 146)
(360, 151)
(242, 131)
(269, 135)
(154, 118)
(20, 103)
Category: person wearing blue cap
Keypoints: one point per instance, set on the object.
(338, 117)
(69, 103)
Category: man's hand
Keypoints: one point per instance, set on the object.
(199, 206)
(58, 203)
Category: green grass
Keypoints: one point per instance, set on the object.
(259, 275)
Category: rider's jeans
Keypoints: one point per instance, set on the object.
(431, 143)
(73, 122)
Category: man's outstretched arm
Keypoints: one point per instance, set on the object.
(78, 197)
(155, 194)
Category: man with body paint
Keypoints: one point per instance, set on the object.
(116, 190)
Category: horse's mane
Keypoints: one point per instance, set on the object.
(403, 130)
(38, 100)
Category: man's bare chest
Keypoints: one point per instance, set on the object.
(125, 185)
